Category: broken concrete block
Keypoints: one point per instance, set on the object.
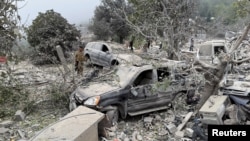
(21, 134)
(189, 132)
(148, 119)
(214, 109)
(126, 139)
(163, 132)
(4, 130)
(139, 137)
(171, 128)
(248, 122)
(185, 139)
(6, 123)
(179, 134)
(20, 115)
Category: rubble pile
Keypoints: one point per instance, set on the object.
(159, 126)
(178, 122)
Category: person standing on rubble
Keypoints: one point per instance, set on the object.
(191, 45)
(131, 43)
(79, 59)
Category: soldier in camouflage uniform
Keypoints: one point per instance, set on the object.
(79, 58)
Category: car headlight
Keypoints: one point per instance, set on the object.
(92, 101)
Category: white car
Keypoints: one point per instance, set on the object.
(100, 53)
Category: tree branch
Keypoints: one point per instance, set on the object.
(204, 65)
(239, 40)
(240, 61)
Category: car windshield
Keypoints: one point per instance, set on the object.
(126, 74)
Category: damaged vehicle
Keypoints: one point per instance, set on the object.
(104, 54)
(208, 51)
(237, 87)
(133, 90)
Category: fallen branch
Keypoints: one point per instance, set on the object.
(240, 61)
(239, 40)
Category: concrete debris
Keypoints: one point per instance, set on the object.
(163, 132)
(21, 134)
(148, 119)
(139, 137)
(19, 116)
(157, 118)
(126, 139)
(148, 126)
(185, 139)
(189, 132)
(179, 134)
(4, 130)
(170, 117)
(214, 109)
(248, 122)
(6, 123)
(171, 128)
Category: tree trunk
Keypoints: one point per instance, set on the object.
(213, 78)
(214, 74)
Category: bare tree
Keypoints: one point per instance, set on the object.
(8, 25)
(169, 19)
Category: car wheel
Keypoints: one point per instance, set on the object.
(114, 63)
(112, 116)
(88, 61)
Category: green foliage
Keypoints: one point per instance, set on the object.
(227, 11)
(165, 19)
(48, 30)
(12, 99)
(109, 23)
(57, 96)
(242, 8)
(8, 26)
(162, 86)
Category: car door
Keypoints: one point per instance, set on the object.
(141, 91)
(146, 95)
(104, 55)
(91, 50)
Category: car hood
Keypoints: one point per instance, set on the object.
(84, 92)
(129, 59)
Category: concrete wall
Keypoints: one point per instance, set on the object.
(79, 125)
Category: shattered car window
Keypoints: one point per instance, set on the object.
(125, 74)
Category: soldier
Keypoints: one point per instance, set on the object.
(79, 58)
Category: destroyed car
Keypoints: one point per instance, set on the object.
(133, 90)
(103, 54)
(209, 50)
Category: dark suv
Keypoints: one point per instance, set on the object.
(133, 90)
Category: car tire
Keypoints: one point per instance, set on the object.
(112, 116)
(114, 63)
(88, 61)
